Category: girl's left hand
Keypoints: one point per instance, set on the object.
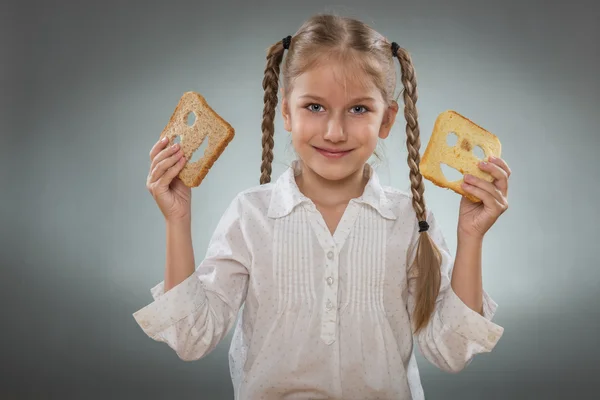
(475, 219)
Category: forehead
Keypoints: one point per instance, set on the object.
(335, 80)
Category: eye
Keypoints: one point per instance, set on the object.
(358, 109)
(314, 107)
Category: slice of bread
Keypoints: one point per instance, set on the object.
(207, 124)
(460, 156)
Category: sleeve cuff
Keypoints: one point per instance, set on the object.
(459, 318)
(158, 290)
(169, 308)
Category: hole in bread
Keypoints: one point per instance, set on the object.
(452, 139)
(199, 152)
(479, 153)
(176, 139)
(450, 173)
(190, 118)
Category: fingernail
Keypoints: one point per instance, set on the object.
(164, 140)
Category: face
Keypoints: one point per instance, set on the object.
(335, 120)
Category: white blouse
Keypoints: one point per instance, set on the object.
(322, 316)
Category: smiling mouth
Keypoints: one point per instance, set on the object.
(332, 153)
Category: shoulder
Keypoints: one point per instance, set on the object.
(245, 212)
(401, 202)
(396, 195)
(254, 200)
(398, 198)
(256, 194)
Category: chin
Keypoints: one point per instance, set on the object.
(334, 171)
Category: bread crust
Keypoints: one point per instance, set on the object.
(459, 156)
(209, 125)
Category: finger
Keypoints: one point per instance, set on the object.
(489, 199)
(172, 172)
(485, 186)
(498, 173)
(502, 164)
(158, 146)
(164, 154)
(161, 168)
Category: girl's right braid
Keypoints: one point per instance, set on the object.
(270, 85)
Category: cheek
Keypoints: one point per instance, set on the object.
(305, 129)
(365, 132)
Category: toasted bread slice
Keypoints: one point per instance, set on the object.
(207, 125)
(460, 156)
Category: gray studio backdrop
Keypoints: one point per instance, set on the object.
(88, 86)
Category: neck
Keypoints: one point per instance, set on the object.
(327, 193)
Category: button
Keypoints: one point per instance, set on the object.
(329, 281)
(145, 324)
(330, 255)
(329, 306)
(491, 337)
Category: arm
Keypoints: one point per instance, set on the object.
(466, 274)
(200, 307)
(455, 332)
(180, 253)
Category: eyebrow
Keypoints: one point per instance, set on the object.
(356, 100)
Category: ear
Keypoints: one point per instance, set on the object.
(389, 117)
(285, 112)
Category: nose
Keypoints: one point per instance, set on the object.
(335, 130)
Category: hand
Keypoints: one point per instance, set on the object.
(169, 192)
(475, 219)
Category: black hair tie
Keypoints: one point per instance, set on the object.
(423, 226)
(286, 42)
(395, 48)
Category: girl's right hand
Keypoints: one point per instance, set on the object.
(171, 195)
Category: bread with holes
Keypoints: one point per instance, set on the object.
(207, 125)
(460, 156)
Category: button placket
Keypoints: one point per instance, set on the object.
(330, 296)
(330, 264)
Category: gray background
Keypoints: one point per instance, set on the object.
(88, 86)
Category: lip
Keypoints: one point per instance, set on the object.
(332, 153)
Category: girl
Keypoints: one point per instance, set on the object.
(334, 274)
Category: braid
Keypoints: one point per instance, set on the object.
(428, 258)
(413, 139)
(270, 85)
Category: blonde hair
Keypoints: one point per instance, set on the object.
(320, 39)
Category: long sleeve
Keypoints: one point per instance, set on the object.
(194, 316)
(455, 333)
